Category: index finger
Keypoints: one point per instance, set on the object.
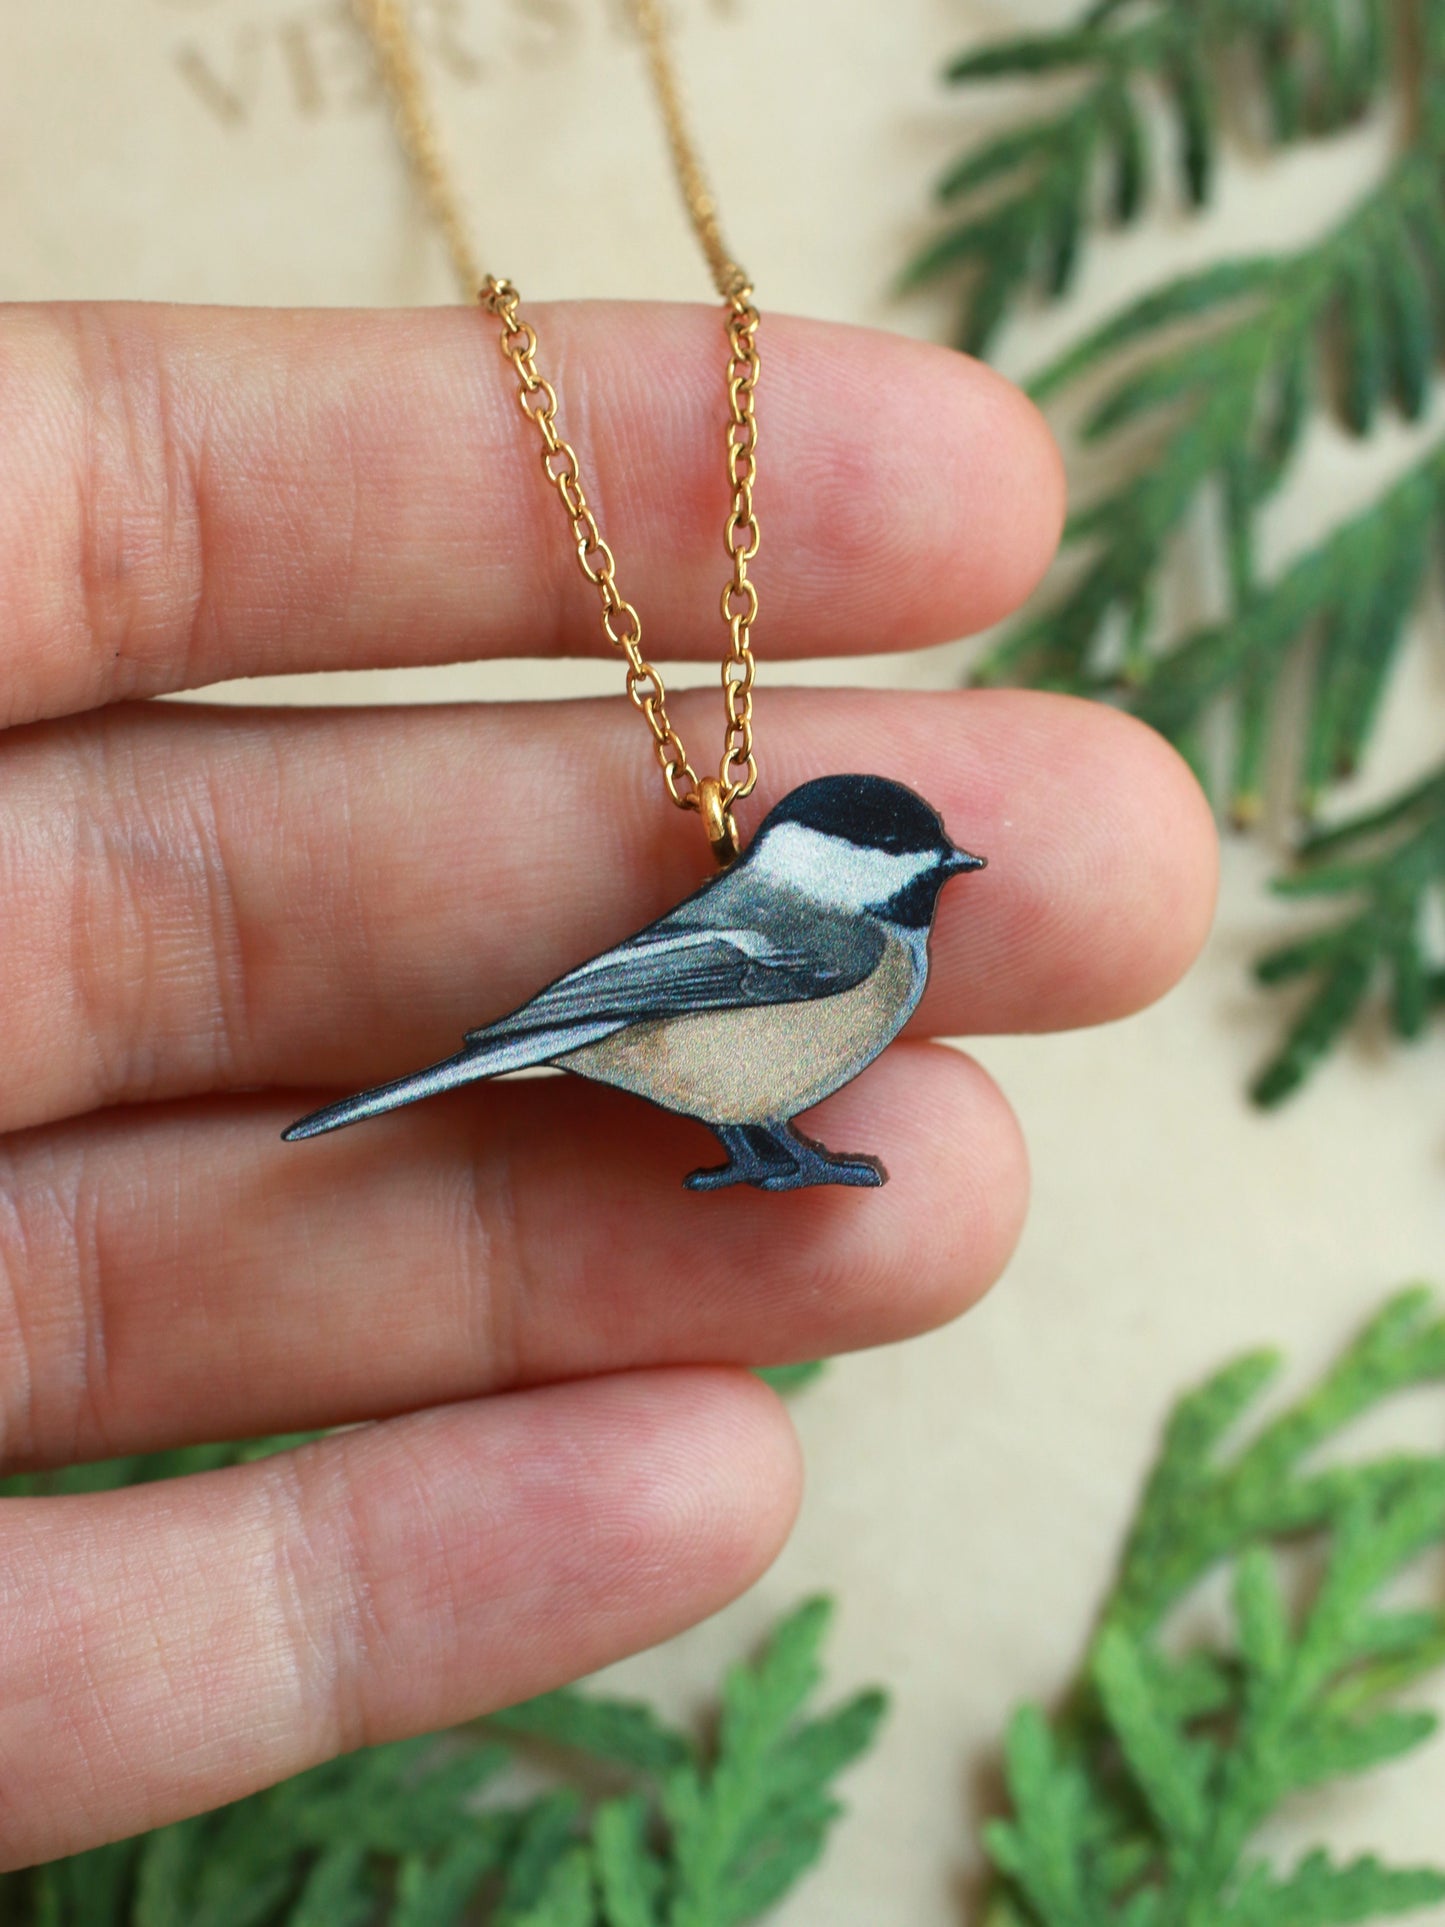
(196, 494)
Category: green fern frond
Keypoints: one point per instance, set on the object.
(1319, 1894)
(420, 1835)
(1352, 594)
(1028, 198)
(1389, 865)
(1205, 388)
(787, 1379)
(1142, 1802)
(1226, 408)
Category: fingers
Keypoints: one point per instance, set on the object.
(196, 494)
(184, 1275)
(174, 1646)
(197, 900)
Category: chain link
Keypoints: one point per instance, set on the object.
(388, 28)
(621, 624)
(387, 24)
(738, 771)
(728, 278)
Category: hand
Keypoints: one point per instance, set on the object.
(213, 915)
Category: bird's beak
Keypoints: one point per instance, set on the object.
(959, 860)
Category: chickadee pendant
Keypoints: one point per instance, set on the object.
(758, 996)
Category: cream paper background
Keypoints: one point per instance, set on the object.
(968, 1491)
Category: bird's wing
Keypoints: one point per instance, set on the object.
(672, 968)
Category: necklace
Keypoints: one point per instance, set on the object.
(786, 975)
(712, 797)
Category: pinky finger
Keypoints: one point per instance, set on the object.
(175, 1646)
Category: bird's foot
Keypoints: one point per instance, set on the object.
(782, 1159)
(717, 1177)
(862, 1173)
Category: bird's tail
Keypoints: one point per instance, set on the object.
(485, 1058)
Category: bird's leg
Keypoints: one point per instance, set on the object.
(814, 1163)
(756, 1155)
(776, 1157)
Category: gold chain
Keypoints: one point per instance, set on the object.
(728, 278)
(387, 24)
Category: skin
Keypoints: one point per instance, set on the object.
(215, 919)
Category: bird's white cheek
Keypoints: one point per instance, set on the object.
(833, 871)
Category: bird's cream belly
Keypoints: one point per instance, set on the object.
(753, 1066)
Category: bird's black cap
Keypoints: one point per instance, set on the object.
(871, 811)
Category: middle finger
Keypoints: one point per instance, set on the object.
(196, 900)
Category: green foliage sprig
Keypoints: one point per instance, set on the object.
(421, 1834)
(1228, 407)
(1209, 382)
(1135, 1807)
(1139, 1804)
(1025, 201)
(1388, 864)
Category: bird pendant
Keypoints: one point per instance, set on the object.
(762, 993)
